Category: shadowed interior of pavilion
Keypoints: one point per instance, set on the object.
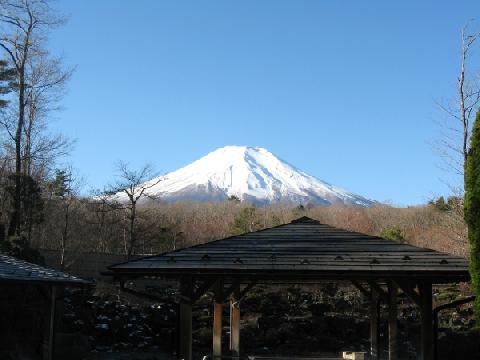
(303, 251)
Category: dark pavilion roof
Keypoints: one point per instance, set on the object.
(18, 271)
(302, 249)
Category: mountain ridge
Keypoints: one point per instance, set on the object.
(252, 174)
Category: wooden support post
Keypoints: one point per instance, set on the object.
(426, 352)
(235, 323)
(51, 323)
(435, 335)
(184, 330)
(392, 321)
(217, 320)
(374, 318)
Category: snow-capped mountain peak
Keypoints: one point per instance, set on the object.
(252, 174)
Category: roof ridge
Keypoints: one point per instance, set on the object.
(304, 220)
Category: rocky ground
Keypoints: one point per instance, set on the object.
(275, 320)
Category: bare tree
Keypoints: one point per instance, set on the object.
(103, 217)
(46, 87)
(455, 131)
(64, 190)
(24, 28)
(455, 128)
(131, 187)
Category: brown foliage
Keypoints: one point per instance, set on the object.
(163, 227)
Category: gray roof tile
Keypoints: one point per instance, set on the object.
(303, 248)
(15, 270)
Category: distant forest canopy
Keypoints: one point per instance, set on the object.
(97, 227)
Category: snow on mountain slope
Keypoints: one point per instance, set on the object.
(252, 174)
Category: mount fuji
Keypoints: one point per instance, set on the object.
(252, 174)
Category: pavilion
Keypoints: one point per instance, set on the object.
(303, 251)
(28, 300)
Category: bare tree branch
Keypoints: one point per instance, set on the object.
(452, 146)
(134, 184)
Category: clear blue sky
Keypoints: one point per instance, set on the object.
(344, 90)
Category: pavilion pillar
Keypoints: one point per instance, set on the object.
(374, 318)
(235, 323)
(184, 328)
(217, 320)
(426, 348)
(392, 321)
(51, 323)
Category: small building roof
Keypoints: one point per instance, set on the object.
(302, 249)
(14, 270)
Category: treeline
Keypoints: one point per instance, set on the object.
(96, 226)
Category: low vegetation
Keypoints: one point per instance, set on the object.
(95, 226)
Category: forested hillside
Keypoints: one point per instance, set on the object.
(95, 226)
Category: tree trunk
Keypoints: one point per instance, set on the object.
(463, 112)
(65, 236)
(131, 244)
(27, 156)
(14, 228)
